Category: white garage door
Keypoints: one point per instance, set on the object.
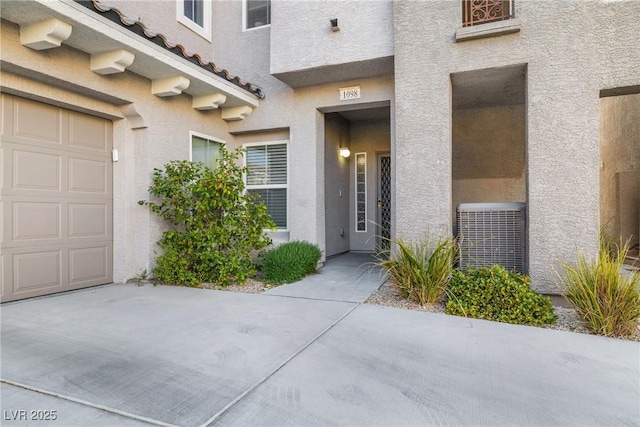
(56, 200)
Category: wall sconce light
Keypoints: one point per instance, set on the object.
(345, 152)
(334, 25)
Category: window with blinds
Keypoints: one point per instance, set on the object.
(267, 177)
(204, 150)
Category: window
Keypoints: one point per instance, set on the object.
(267, 176)
(205, 150)
(256, 13)
(361, 192)
(194, 10)
(195, 15)
(475, 12)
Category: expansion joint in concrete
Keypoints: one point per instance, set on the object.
(311, 298)
(150, 421)
(273, 372)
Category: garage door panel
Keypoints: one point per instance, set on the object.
(30, 169)
(88, 132)
(33, 221)
(88, 176)
(34, 120)
(36, 271)
(36, 171)
(89, 220)
(88, 264)
(36, 220)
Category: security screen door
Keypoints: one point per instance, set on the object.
(383, 214)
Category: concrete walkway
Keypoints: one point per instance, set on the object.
(351, 277)
(139, 355)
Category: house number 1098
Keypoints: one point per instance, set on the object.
(347, 93)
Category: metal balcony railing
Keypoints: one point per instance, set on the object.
(476, 12)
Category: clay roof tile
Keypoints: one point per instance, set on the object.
(140, 29)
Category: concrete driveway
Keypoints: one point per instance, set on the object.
(125, 355)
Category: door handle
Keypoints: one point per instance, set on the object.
(379, 203)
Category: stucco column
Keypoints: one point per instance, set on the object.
(563, 173)
(305, 192)
(423, 159)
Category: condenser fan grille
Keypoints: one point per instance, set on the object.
(492, 233)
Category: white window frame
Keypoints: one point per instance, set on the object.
(271, 186)
(204, 136)
(355, 192)
(244, 18)
(203, 31)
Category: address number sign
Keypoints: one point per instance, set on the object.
(347, 93)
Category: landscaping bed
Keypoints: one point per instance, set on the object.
(388, 295)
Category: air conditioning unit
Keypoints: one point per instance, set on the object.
(492, 233)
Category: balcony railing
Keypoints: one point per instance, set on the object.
(476, 12)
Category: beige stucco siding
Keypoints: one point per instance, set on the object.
(572, 51)
(620, 167)
(299, 110)
(336, 185)
(62, 77)
(566, 53)
(161, 17)
(489, 155)
(306, 51)
(301, 35)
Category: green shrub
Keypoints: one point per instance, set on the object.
(290, 262)
(214, 225)
(421, 270)
(497, 294)
(608, 301)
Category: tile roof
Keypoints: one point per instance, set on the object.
(140, 29)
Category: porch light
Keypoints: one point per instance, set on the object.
(345, 152)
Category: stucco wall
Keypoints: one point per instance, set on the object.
(572, 49)
(488, 149)
(302, 112)
(160, 17)
(248, 54)
(301, 36)
(62, 76)
(307, 149)
(336, 185)
(620, 167)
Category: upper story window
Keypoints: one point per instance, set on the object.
(195, 15)
(476, 12)
(256, 13)
(205, 149)
(194, 10)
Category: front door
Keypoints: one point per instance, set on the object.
(383, 214)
